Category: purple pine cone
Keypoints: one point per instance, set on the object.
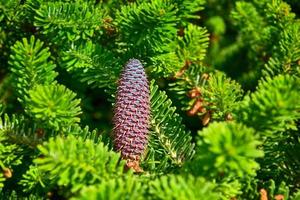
(132, 112)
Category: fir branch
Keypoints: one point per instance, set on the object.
(279, 13)
(166, 64)
(188, 9)
(273, 107)
(75, 163)
(14, 195)
(192, 46)
(276, 191)
(147, 25)
(84, 133)
(2, 179)
(21, 131)
(255, 156)
(259, 30)
(286, 56)
(68, 22)
(1, 109)
(187, 49)
(8, 152)
(5, 93)
(114, 189)
(253, 27)
(205, 94)
(254, 40)
(226, 149)
(53, 105)
(296, 196)
(19, 137)
(10, 156)
(34, 181)
(221, 95)
(170, 144)
(193, 79)
(184, 188)
(30, 65)
(8, 10)
(229, 188)
(93, 64)
(281, 162)
(24, 132)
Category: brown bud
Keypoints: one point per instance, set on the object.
(194, 110)
(40, 132)
(110, 30)
(228, 117)
(202, 110)
(206, 118)
(180, 32)
(7, 173)
(49, 194)
(279, 197)
(214, 38)
(194, 93)
(134, 165)
(263, 194)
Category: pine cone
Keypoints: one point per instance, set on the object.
(132, 112)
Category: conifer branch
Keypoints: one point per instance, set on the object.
(179, 187)
(74, 163)
(226, 149)
(170, 144)
(114, 189)
(93, 64)
(68, 22)
(53, 105)
(273, 107)
(30, 65)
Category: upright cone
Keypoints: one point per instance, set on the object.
(132, 113)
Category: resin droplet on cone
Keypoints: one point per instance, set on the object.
(132, 113)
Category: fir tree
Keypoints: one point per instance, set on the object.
(214, 112)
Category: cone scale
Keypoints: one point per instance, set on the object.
(132, 114)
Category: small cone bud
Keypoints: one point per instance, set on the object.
(263, 194)
(228, 117)
(194, 110)
(7, 173)
(206, 118)
(279, 197)
(194, 93)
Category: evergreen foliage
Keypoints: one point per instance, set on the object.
(224, 99)
(230, 148)
(193, 44)
(121, 188)
(273, 106)
(69, 22)
(11, 155)
(178, 187)
(136, 24)
(30, 65)
(73, 163)
(54, 105)
(170, 144)
(93, 64)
